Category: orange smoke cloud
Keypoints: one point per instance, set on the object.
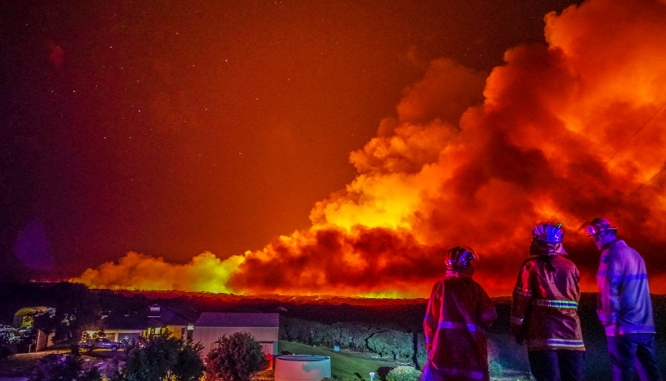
(204, 272)
(568, 132)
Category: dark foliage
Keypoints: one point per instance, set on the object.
(56, 367)
(162, 357)
(345, 335)
(6, 351)
(235, 358)
(392, 343)
(76, 309)
(15, 340)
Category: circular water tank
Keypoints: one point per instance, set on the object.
(302, 367)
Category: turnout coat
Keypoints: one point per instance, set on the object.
(544, 312)
(624, 304)
(458, 315)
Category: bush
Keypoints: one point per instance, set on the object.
(421, 355)
(56, 367)
(162, 358)
(13, 340)
(345, 335)
(6, 351)
(403, 373)
(235, 358)
(495, 368)
(392, 343)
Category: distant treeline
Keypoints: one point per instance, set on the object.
(359, 324)
(399, 345)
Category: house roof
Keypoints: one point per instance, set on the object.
(37, 310)
(236, 319)
(173, 316)
(168, 316)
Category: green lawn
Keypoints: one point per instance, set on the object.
(344, 365)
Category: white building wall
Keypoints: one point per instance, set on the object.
(207, 336)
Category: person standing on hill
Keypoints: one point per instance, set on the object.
(544, 312)
(624, 306)
(458, 314)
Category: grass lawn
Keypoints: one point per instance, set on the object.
(345, 365)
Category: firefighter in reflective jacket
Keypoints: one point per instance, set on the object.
(458, 314)
(544, 312)
(624, 305)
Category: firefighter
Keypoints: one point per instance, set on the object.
(624, 306)
(544, 312)
(458, 314)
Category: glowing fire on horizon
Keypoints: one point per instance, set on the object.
(567, 131)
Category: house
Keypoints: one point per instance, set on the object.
(158, 320)
(25, 318)
(177, 322)
(211, 326)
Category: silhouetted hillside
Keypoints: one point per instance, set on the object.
(400, 314)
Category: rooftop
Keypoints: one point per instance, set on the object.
(235, 319)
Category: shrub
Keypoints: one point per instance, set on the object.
(403, 373)
(13, 340)
(56, 367)
(235, 358)
(495, 368)
(162, 357)
(6, 351)
(393, 343)
(421, 352)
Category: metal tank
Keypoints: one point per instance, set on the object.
(302, 367)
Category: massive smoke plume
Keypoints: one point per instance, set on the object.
(567, 131)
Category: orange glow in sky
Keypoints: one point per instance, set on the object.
(566, 131)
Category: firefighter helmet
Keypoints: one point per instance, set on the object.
(545, 232)
(599, 225)
(458, 258)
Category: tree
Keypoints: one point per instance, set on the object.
(235, 358)
(189, 366)
(398, 344)
(11, 339)
(162, 357)
(57, 367)
(76, 310)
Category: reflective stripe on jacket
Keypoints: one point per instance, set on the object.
(624, 304)
(544, 312)
(458, 314)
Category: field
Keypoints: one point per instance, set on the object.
(345, 365)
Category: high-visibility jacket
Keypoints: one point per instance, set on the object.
(544, 312)
(624, 304)
(458, 315)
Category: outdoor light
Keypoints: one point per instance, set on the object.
(372, 376)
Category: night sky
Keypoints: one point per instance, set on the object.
(175, 128)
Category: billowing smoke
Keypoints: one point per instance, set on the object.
(134, 271)
(567, 131)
